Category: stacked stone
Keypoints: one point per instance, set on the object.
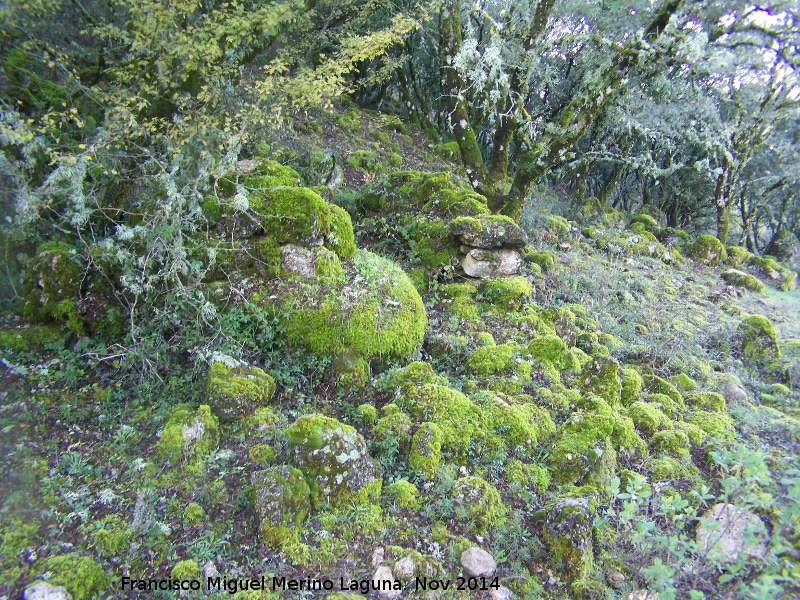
(490, 245)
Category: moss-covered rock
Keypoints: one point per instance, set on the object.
(658, 385)
(738, 256)
(713, 423)
(340, 236)
(759, 340)
(568, 533)
(672, 441)
(706, 400)
(648, 417)
(393, 426)
(488, 232)
(551, 349)
(188, 433)
(425, 454)
(683, 382)
(448, 151)
(493, 360)
(582, 451)
(80, 575)
(507, 293)
(283, 501)
(625, 438)
(291, 215)
(546, 226)
(405, 494)
(602, 377)
(518, 422)
(708, 250)
(234, 392)
(375, 312)
(462, 422)
(50, 285)
(335, 461)
(415, 373)
(631, 385)
(743, 280)
(480, 502)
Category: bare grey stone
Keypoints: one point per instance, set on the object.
(484, 264)
(383, 580)
(725, 536)
(42, 590)
(501, 593)
(477, 562)
(405, 568)
(298, 260)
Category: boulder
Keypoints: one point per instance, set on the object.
(724, 534)
(383, 581)
(477, 562)
(334, 458)
(759, 340)
(488, 232)
(44, 591)
(298, 260)
(568, 532)
(283, 501)
(485, 264)
(234, 392)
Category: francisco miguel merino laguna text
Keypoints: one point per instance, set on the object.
(353, 585)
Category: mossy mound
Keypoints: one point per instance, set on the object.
(188, 433)
(648, 417)
(552, 349)
(708, 250)
(517, 422)
(759, 340)
(493, 360)
(706, 400)
(50, 285)
(603, 377)
(462, 423)
(568, 533)
(374, 312)
(283, 501)
(481, 504)
(80, 575)
(632, 383)
(394, 425)
(582, 451)
(744, 280)
(738, 256)
(405, 494)
(335, 461)
(508, 293)
(236, 392)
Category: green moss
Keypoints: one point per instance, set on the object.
(51, 283)
(759, 340)
(430, 243)
(367, 413)
(706, 400)
(188, 433)
(261, 454)
(648, 222)
(194, 513)
(493, 360)
(396, 426)
(335, 461)
(374, 313)
(291, 215)
(340, 238)
(659, 385)
(683, 382)
(665, 468)
(448, 151)
(518, 422)
(112, 538)
(738, 256)
(481, 504)
(185, 570)
(552, 349)
(664, 403)
(602, 377)
(366, 161)
(507, 293)
(713, 423)
(462, 423)
(528, 475)
(414, 374)
(282, 503)
(708, 250)
(419, 277)
(352, 370)
(674, 442)
(82, 577)
(695, 435)
(425, 454)
(743, 280)
(582, 450)
(404, 493)
(567, 533)
(383, 138)
(648, 417)
(631, 385)
(626, 439)
(350, 122)
(236, 392)
(29, 338)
